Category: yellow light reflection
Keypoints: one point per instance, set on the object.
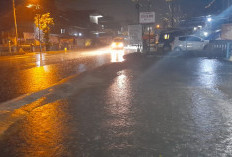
(44, 131)
(37, 78)
(117, 55)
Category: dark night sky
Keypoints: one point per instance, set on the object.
(119, 9)
(122, 10)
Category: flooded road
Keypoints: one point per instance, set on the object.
(34, 72)
(148, 107)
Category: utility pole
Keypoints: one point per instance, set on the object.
(16, 27)
(138, 6)
(149, 27)
(138, 9)
(40, 47)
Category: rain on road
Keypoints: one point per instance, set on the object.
(147, 107)
(33, 72)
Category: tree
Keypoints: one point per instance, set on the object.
(174, 15)
(44, 23)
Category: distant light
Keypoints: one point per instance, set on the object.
(62, 31)
(99, 16)
(209, 19)
(30, 5)
(206, 34)
(157, 26)
(149, 28)
(166, 36)
(199, 26)
(33, 5)
(75, 34)
(80, 34)
(96, 16)
(195, 28)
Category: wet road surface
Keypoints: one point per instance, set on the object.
(146, 107)
(33, 72)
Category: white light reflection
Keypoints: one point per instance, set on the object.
(211, 111)
(207, 72)
(82, 68)
(202, 111)
(117, 56)
(119, 98)
(96, 52)
(39, 59)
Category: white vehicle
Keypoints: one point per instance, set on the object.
(189, 43)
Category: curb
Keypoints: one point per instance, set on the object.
(228, 59)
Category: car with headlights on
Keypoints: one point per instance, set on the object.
(117, 44)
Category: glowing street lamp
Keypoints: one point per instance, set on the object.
(30, 5)
(209, 19)
(37, 7)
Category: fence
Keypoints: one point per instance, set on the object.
(219, 48)
(6, 50)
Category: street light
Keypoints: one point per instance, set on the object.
(16, 27)
(37, 7)
(209, 19)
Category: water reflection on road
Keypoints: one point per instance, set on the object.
(37, 78)
(39, 59)
(119, 96)
(117, 55)
(120, 110)
(43, 131)
(207, 69)
(178, 111)
(40, 71)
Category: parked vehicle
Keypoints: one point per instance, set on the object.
(189, 43)
(167, 37)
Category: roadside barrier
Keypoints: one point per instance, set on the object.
(219, 48)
